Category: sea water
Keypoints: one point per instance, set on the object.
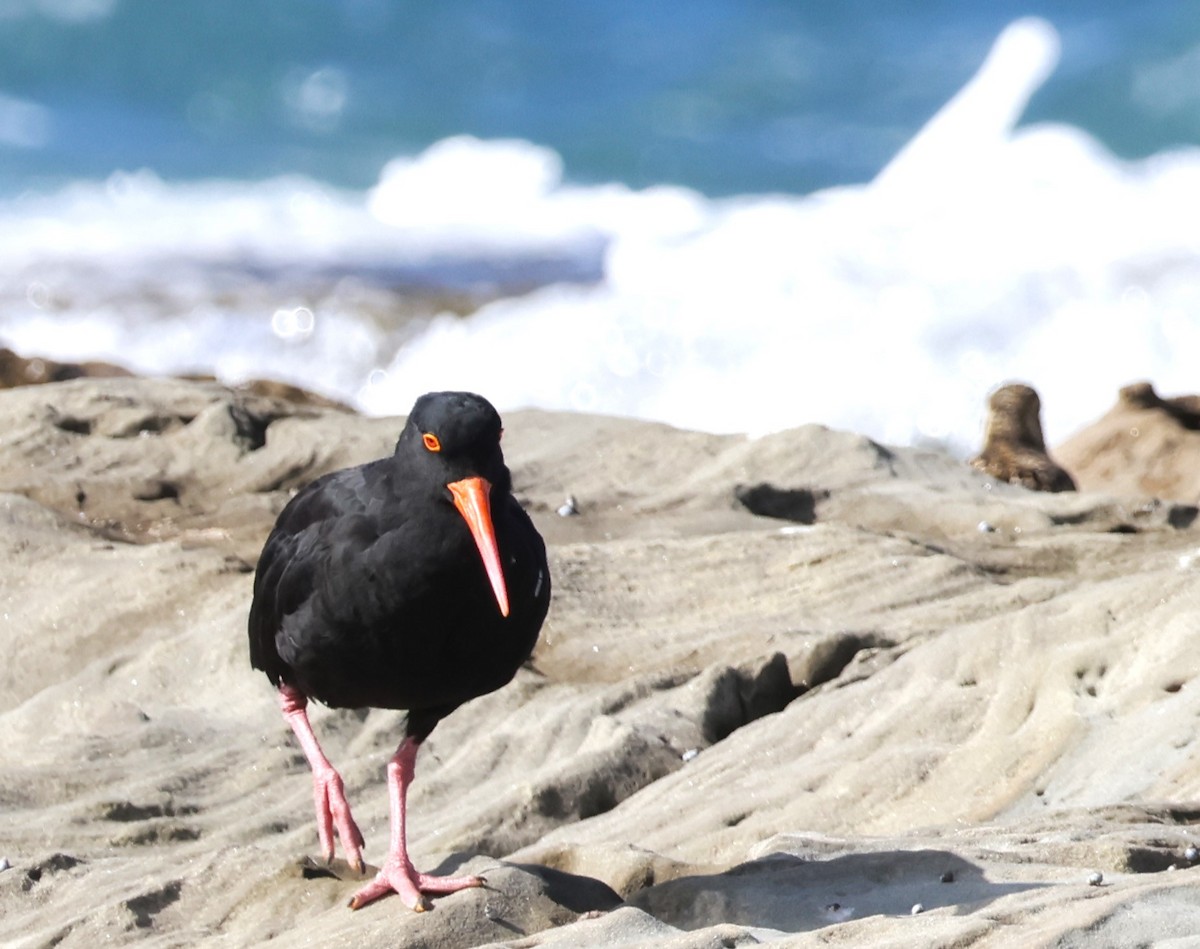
(737, 217)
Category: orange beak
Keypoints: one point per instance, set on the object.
(471, 499)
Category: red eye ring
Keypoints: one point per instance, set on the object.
(431, 442)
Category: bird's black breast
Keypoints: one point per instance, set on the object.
(369, 596)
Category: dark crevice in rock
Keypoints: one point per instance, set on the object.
(76, 426)
(55, 863)
(1183, 814)
(128, 811)
(250, 427)
(740, 696)
(1147, 860)
(789, 504)
(312, 871)
(149, 905)
(158, 491)
(830, 657)
(1181, 516)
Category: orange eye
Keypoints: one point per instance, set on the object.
(431, 442)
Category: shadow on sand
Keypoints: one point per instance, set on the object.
(794, 894)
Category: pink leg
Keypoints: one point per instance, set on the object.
(398, 874)
(333, 812)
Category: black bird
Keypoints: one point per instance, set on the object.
(413, 582)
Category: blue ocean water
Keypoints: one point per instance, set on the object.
(714, 213)
(724, 96)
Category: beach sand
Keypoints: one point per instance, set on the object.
(804, 688)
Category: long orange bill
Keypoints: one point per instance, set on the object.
(471, 499)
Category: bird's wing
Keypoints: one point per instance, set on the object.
(291, 557)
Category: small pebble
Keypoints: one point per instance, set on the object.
(569, 508)
(4, 864)
(1191, 855)
(690, 754)
(1096, 879)
(948, 876)
(917, 910)
(985, 528)
(837, 913)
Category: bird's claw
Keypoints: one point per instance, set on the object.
(376, 889)
(410, 886)
(333, 816)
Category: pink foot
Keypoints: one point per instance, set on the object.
(333, 815)
(329, 795)
(398, 875)
(410, 886)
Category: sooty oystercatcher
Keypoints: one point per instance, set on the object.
(413, 582)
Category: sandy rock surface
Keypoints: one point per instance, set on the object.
(1144, 445)
(790, 689)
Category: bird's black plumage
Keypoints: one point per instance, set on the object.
(413, 582)
(371, 590)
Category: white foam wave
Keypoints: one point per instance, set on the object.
(982, 253)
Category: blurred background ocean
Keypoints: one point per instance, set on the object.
(736, 215)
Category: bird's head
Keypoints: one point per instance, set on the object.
(454, 439)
